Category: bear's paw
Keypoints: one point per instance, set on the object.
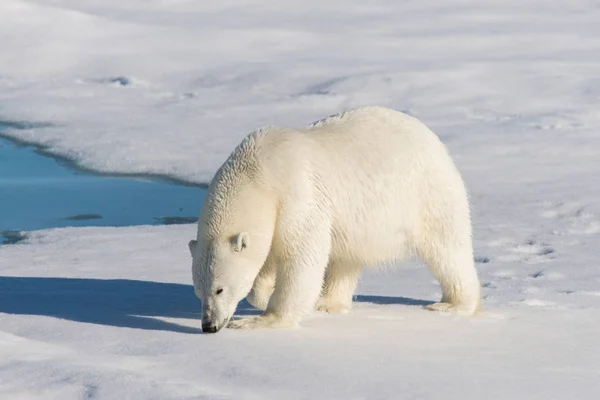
(262, 322)
(454, 309)
(332, 307)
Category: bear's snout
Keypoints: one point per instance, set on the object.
(209, 328)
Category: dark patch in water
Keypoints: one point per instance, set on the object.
(12, 237)
(177, 220)
(482, 260)
(84, 217)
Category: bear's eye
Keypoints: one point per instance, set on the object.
(219, 291)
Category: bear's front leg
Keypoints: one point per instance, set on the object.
(298, 283)
(264, 285)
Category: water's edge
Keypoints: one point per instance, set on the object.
(9, 133)
(75, 166)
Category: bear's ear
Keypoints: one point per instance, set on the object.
(242, 241)
(192, 246)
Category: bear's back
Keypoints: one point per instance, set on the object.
(370, 146)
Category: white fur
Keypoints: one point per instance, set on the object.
(366, 187)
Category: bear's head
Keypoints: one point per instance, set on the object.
(223, 271)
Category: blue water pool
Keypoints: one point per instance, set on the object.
(37, 192)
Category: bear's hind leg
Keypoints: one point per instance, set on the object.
(339, 286)
(454, 268)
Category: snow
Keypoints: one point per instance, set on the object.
(110, 313)
(168, 87)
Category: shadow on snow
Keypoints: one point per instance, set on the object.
(405, 301)
(114, 302)
(122, 302)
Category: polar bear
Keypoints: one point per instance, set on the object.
(293, 215)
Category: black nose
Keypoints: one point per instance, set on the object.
(209, 328)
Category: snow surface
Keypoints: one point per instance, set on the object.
(170, 86)
(110, 314)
